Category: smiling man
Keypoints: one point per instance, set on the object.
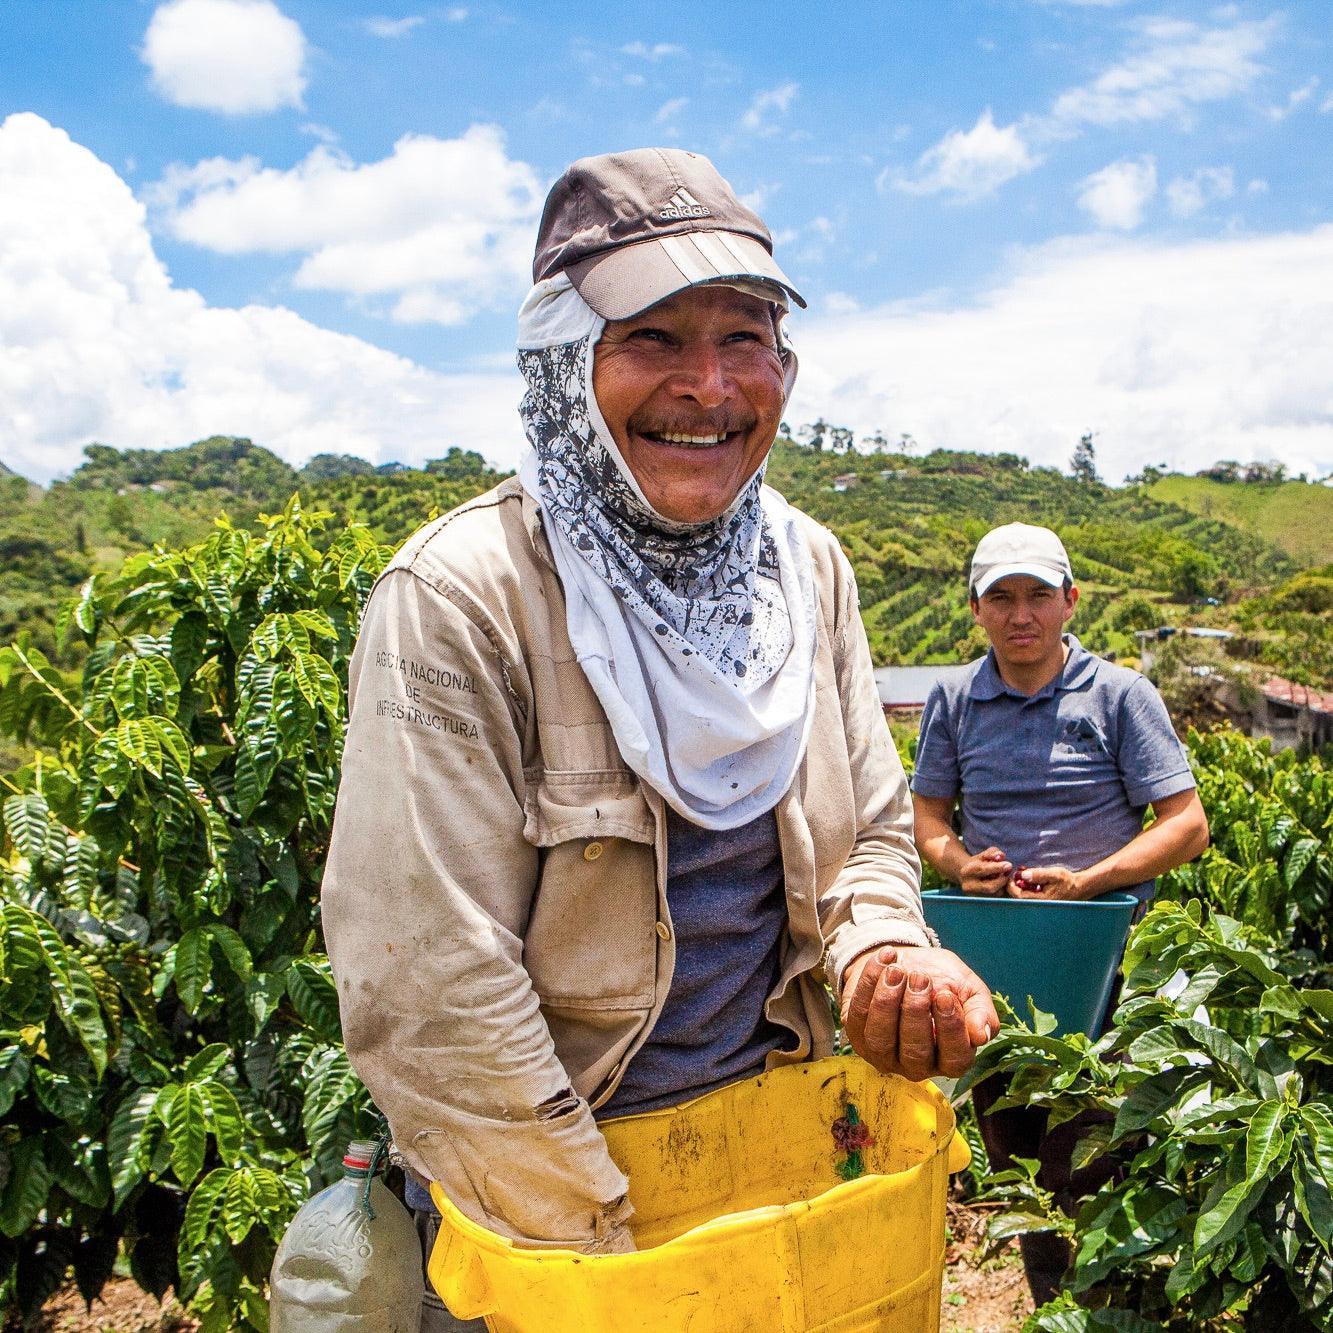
(617, 792)
(1052, 756)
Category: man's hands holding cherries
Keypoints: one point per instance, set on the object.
(991, 872)
(916, 1011)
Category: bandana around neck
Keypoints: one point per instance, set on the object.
(698, 639)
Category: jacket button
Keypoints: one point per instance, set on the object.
(592, 851)
(664, 930)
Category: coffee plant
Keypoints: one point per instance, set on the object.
(1216, 1085)
(172, 1081)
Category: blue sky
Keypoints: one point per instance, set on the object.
(1015, 220)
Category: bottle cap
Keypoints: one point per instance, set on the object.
(358, 1155)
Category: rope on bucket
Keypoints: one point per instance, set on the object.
(850, 1135)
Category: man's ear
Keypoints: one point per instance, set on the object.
(1071, 601)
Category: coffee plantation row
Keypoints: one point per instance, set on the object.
(172, 1083)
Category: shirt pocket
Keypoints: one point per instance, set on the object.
(592, 938)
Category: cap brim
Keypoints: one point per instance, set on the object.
(626, 281)
(1051, 577)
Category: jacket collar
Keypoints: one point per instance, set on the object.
(1077, 671)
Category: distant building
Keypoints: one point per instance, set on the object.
(1149, 637)
(1293, 717)
(903, 689)
(846, 482)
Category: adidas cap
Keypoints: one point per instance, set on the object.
(1019, 548)
(633, 228)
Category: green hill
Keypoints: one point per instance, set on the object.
(908, 525)
(1295, 515)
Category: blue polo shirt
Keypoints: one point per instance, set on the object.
(1060, 777)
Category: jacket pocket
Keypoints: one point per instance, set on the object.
(591, 940)
(544, 1182)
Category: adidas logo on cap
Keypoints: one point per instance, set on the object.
(683, 204)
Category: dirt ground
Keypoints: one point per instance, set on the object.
(987, 1296)
(122, 1308)
(980, 1295)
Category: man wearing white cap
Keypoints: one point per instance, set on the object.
(1053, 756)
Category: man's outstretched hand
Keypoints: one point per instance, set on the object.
(916, 1011)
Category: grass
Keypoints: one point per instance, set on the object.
(1295, 515)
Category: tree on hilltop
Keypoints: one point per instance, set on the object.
(1083, 465)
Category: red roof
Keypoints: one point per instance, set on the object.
(1284, 691)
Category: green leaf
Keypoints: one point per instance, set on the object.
(1314, 1201)
(256, 760)
(189, 642)
(14, 1069)
(225, 1120)
(264, 993)
(1318, 1125)
(318, 683)
(173, 742)
(312, 991)
(1224, 1217)
(205, 1201)
(233, 949)
(206, 1062)
(194, 967)
(187, 1132)
(139, 741)
(1299, 856)
(78, 1006)
(28, 820)
(1264, 1141)
(127, 1139)
(240, 1209)
(1153, 1097)
(25, 1191)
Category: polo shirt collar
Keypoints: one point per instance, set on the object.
(1077, 671)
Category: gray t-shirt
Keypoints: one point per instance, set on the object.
(1060, 777)
(729, 911)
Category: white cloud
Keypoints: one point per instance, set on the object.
(441, 228)
(1257, 186)
(767, 106)
(1116, 195)
(1175, 67)
(390, 28)
(670, 110)
(457, 14)
(657, 51)
(1188, 353)
(1191, 194)
(101, 346)
(1178, 65)
(234, 56)
(1326, 105)
(968, 164)
(840, 303)
(1295, 99)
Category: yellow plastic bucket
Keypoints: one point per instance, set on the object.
(743, 1222)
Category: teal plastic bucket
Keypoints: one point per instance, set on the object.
(1063, 954)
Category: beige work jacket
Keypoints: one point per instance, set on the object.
(494, 902)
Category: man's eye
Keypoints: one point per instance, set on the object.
(651, 335)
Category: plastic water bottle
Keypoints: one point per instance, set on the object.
(350, 1260)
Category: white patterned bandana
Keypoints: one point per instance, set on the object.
(698, 639)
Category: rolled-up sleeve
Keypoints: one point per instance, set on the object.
(426, 895)
(876, 897)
